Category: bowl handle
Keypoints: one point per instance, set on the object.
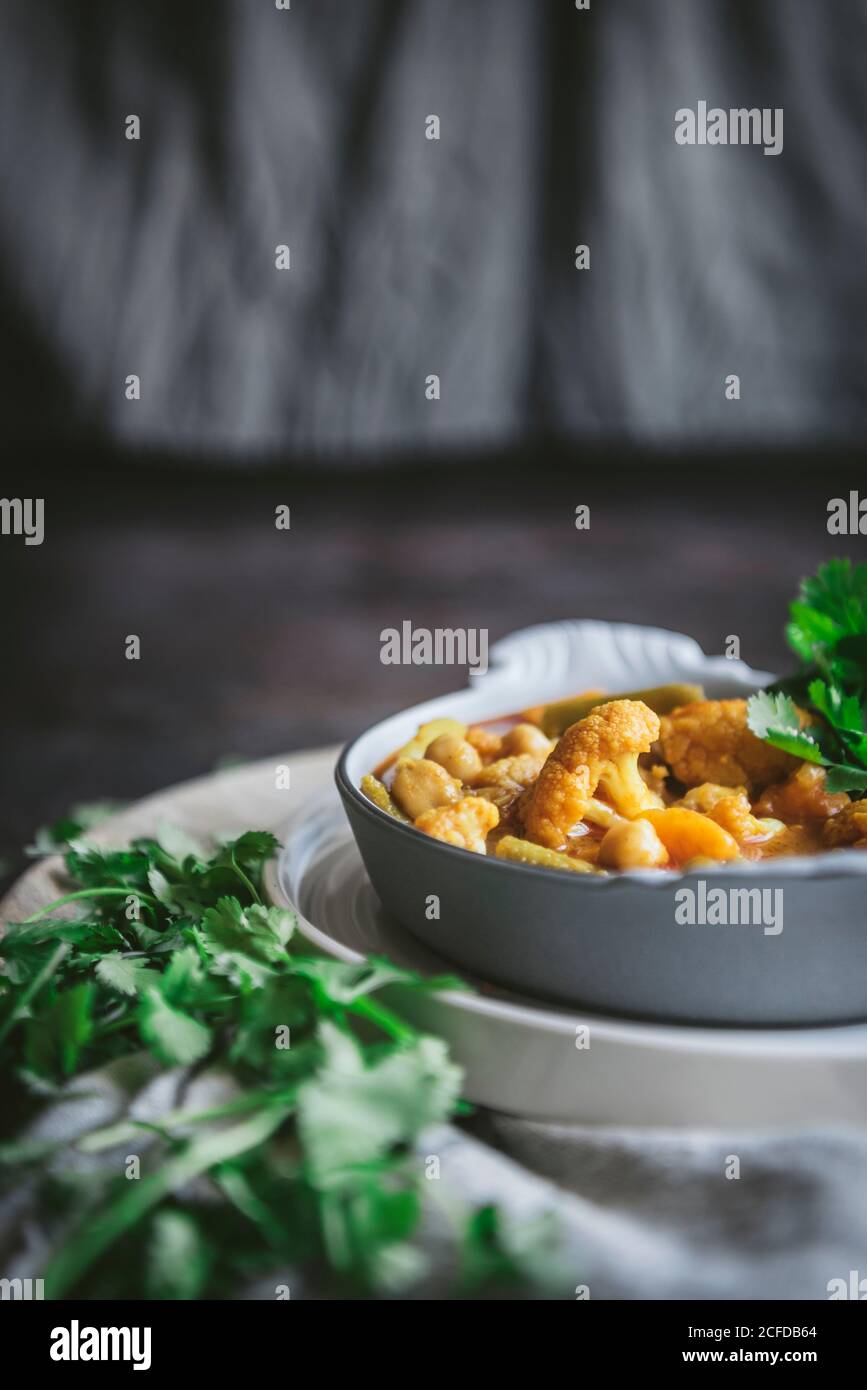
(614, 656)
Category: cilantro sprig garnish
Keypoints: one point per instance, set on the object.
(171, 957)
(828, 631)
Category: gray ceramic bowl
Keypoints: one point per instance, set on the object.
(620, 944)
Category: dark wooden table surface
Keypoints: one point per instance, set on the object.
(255, 640)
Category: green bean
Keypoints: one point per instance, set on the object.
(556, 717)
(525, 852)
(376, 792)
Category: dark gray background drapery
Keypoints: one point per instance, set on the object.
(412, 257)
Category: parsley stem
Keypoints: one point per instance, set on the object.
(388, 1021)
(116, 1025)
(245, 880)
(110, 1135)
(89, 893)
(196, 937)
(102, 1228)
(34, 987)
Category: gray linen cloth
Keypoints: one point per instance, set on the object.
(305, 127)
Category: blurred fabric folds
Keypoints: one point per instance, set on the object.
(412, 257)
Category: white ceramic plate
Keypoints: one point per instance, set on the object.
(530, 1059)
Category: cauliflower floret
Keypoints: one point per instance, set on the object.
(600, 752)
(848, 827)
(802, 797)
(655, 776)
(504, 781)
(790, 839)
(730, 808)
(465, 824)
(513, 773)
(706, 795)
(487, 744)
(709, 741)
(734, 815)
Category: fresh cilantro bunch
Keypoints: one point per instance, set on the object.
(173, 959)
(828, 631)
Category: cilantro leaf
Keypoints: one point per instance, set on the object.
(125, 975)
(838, 593)
(207, 971)
(831, 608)
(100, 868)
(54, 838)
(184, 982)
(500, 1251)
(828, 631)
(178, 1258)
(276, 1024)
(842, 777)
(249, 851)
(177, 844)
(808, 629)
(343, 982)
(845, 715)
(841, 710)
(247, 935)
(57, 1033)
(766, 712)
(774, 718)
(351, 1113)
(174, 1037)
(253, 847)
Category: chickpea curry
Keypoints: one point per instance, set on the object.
(655, 779)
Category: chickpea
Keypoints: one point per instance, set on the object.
(632, 844)
(456, 755)
(526, 738)
(421, 785)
